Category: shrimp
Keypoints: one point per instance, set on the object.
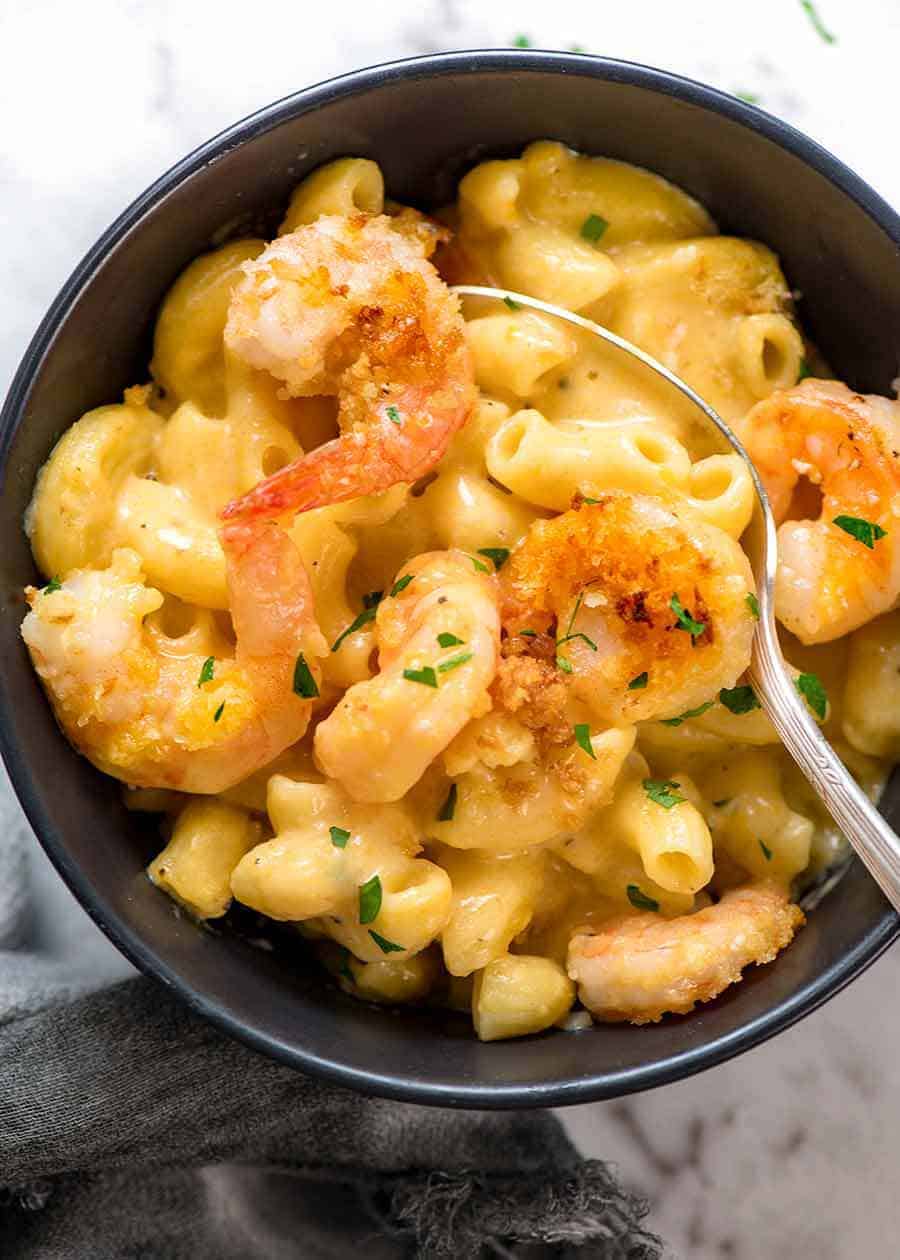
(639, 967)
(829, 581)
(643, 604)
(155, 713)
(351, 307)
(438, 634)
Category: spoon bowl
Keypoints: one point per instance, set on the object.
(874, 841)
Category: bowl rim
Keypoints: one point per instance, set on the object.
(126, 938)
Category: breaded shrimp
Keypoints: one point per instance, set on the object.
(351, 307)
(162, 719)
(830, 581)
(647, 603)
(639, 967)
(438, 634)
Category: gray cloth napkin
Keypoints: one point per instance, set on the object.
(130, 1128)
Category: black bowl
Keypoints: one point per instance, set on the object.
(426, 121)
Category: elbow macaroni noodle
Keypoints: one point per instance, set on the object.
(469, 887)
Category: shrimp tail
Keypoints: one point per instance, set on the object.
(269, 591)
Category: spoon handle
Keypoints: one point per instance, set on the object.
(874, 841)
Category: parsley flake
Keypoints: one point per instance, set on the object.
(739, 700)
(528, 634)
(521, 41)
(750, 97)
(454, 662)
(368, 614)
(688, 713)
(218, 713)
(818, 25)
(804, 370)
(53, 585)
(448, 809)
(583, 739)
(753, 605)
(767, 852)
(639, 682)
(563, 664)
(426, 676)
(511, 303)
(339, 837)
(344, 969)
(684, 619)
(479, 564)
(394, 415)
(866, 532)
(449, 640)
(499, 555)
(593, 228)
(386, 946)
(206, 672)
(400, 585)
(369, 900)
(640, 900)
(304, 683)
(662, 792)
(812, 689)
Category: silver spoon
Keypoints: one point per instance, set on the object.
(876, 844)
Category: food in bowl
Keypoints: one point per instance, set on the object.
(425, 629)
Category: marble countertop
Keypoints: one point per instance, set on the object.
(792, 1149)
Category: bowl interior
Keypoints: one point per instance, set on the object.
(426, 122)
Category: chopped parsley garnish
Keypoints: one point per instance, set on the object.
(448, 809)
(804, 370)
(369, 900)
(753, 605)
(866, 532)
(371, 602)
(449, 640)
(521, 41)
(218, 713)
(339, 837)
(304, 683)
(818, 25)
(589, 502)
(684, 619)
(528, 634)
(563, 664)
(344, 969)
(394, 415)
(512, 304)
(454, 662)
(688, 713)
(561, 661)
(640, 900)
(639, 682)
(739, 699)
(593, 227)
(767, 852)
(400, 585)
(499, 555)
(426, 676)
(811, 688)
(663, 792)
(750, 97)
(53, 585)
(386, 946)
(206, 672)
(479, 564)
(583, 739)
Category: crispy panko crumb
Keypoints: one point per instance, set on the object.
(535, 692)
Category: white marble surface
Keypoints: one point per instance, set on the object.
(794, 1148)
